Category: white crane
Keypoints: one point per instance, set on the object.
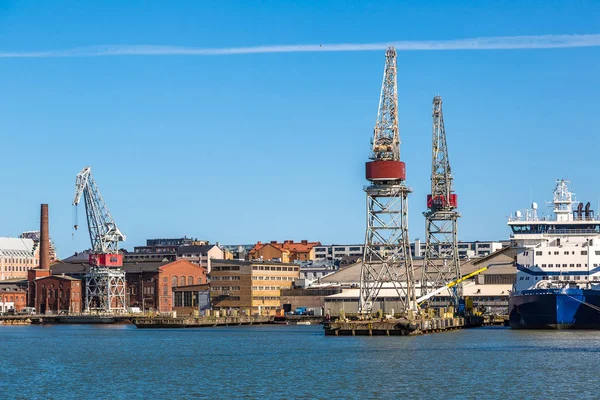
(105, 282)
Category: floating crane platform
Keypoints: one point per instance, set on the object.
(402, 326)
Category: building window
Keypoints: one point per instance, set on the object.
(174, 281)
(182, 281)
(190, 280)
(199, 280)
(166, 280)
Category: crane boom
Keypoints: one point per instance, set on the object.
(104, 233)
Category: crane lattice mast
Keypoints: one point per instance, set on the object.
(105, 282)
(441, 263)
(387, 261)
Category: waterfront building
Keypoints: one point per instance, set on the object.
(288, 251)
(251, 287)
(191, 300)
(17, 256)
(12, 297)
(149, 284)
(56, 294)
(489, 290)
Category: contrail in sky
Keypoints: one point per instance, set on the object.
(485, 43)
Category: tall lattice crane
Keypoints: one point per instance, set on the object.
(105, 282)
(441, 264)
(387, 261)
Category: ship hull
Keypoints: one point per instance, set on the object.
(555, 309)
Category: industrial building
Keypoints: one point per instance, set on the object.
(149, 285)
(489, 289)
(57, 294)
(251, 287)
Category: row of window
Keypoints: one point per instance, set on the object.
(272, 278)
(19, 260)
(565, 252)
(181, 281)
(564, 265)
(265, 288)
(267, 268)
(225, 288)
(265, 298)
(562, 277)
(7, 299)
(14, 268)
(234, 298)
(225, 278)
(231, 268)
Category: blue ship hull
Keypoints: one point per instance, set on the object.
(555, 309)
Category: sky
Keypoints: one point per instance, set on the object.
(271, 145)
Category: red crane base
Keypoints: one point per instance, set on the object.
(106, 260)
(440, 201)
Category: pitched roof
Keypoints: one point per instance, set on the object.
(288, 246)
(131, 267)
(61, 276)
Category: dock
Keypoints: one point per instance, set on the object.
(401, 326)
(200, 322)
(65, 319)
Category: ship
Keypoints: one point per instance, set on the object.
(557, 284)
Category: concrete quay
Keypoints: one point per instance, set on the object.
(400, 326)
(201, 322)
(65, 319)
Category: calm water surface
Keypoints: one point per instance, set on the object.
(287, 362)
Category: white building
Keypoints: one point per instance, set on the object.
(475, 249)
(465, 250)
(17, 256)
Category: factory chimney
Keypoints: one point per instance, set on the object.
(44, 239)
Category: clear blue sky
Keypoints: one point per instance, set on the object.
(243, 148)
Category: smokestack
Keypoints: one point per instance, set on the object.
(44, 239)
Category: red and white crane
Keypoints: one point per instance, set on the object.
(105, 282)
(387, 262)
(441, 264)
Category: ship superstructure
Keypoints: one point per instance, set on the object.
(558, 265)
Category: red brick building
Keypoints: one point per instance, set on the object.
(149, 284)
(172, 275)
(58, 293)
(12, 297)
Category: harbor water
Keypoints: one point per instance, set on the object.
(287, 362)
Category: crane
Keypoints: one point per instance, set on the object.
(387, 260)
(105, 282)
(441, 264)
